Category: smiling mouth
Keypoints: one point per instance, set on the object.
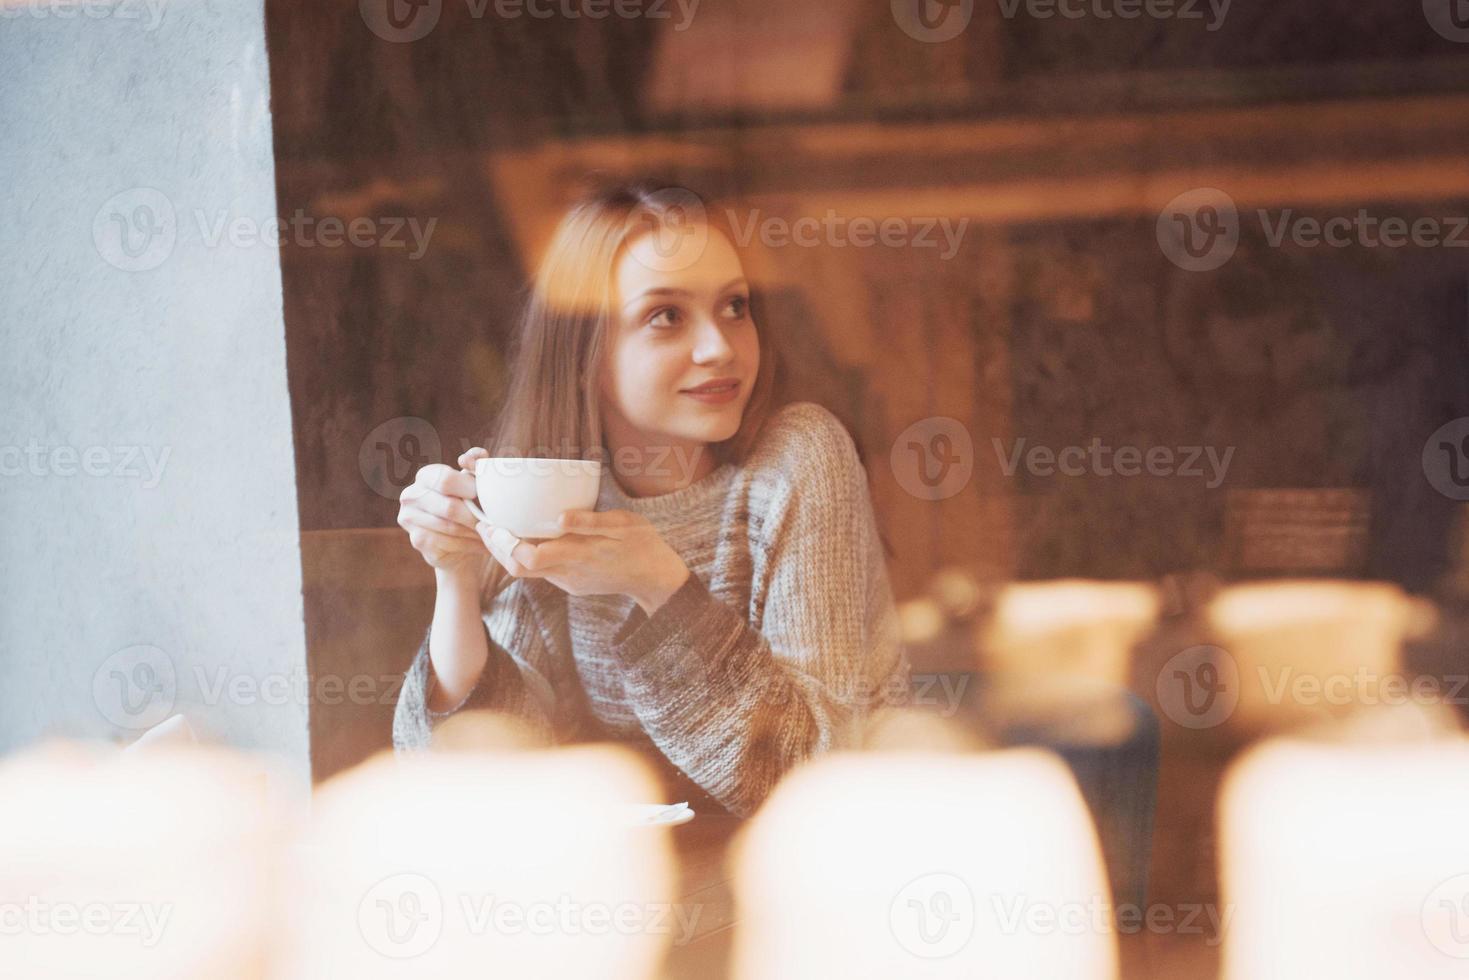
(718, 388)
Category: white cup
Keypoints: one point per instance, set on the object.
(526, 496)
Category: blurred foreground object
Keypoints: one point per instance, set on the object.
(909, 865)
(464, 864)
(1060, 654)
(482, 730)
(910, 729)
(1347, 858)
(151, 865)
(1301, 651)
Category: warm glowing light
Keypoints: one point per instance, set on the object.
(156, 864)
(464, 864)
(1309, 650)
(1077, 627)
(907, 865)
(1061, 653)
(1346, 860)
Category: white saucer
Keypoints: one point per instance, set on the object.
(660, 814)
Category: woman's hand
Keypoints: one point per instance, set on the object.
(609, 552)
(439, 525)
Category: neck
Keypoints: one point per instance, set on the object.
(648, 467)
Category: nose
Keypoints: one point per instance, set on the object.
(710, 344)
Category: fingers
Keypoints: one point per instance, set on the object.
(508, 550)
(436, 547)
(548, 555)
(410, 518)
(608, 523)
(468, 459)
(449, 508)
(417, 497)
(444, 480)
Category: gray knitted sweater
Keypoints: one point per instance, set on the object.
(780, 642)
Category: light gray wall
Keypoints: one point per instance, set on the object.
(162, 536)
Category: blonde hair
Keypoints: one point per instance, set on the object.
(551, 406)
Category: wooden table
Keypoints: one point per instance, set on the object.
(705, 887)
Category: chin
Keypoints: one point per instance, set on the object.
(715, 428)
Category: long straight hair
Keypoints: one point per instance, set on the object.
(551, 407)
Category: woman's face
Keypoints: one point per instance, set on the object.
(683, 351)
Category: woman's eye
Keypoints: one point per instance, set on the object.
(663, 319)
(737, 307)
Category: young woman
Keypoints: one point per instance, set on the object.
(725, 609)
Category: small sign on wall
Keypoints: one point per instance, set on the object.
(1297, 531)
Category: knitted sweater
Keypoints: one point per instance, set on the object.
(781, 640)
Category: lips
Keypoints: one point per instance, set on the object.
(718, 386)
(719, 391)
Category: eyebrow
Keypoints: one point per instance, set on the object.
(671, 291)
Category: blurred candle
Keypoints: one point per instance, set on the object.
(1075, 627)
(1314, 650)
(1060, 653)
(465, 864)
(907, 864)
(1346, 860)
(156, 864)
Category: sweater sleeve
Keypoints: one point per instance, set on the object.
(516, 678)
(736, 704)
